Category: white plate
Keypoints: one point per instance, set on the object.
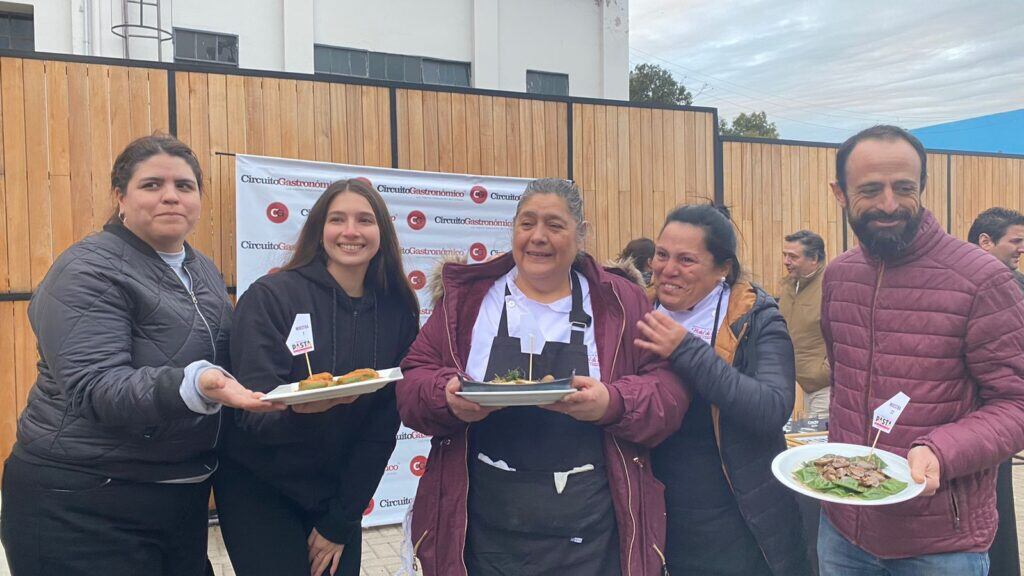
(793, 459)
(537, 398)
(290, 393)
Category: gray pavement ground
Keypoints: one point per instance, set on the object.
(381, 545)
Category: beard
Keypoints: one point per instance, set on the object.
(886, 244)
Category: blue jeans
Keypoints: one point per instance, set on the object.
(837, 556)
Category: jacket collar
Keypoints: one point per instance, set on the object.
(117, 228)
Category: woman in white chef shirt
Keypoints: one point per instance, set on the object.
(528, 489)
(727, 515)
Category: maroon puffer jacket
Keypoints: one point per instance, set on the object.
(647, 405)
(945, 325)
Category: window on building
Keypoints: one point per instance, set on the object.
(17, 31)
(547, 83)
(206, 47)
(394, 67)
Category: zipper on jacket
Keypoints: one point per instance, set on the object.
(195, 302)
(629, 506)
(415, 551)
(956, 507)
(871, 361)
(664, 562)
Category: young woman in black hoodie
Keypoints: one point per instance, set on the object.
(292, 486)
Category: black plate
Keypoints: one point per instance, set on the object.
(474, 386)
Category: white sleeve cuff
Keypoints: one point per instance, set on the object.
(190, 392)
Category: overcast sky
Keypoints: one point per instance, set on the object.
(824, 69)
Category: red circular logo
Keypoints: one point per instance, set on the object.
(277, 212)
(369, 508)
(478, 252)
(478, 194)
(417, 279)
(417, 220)
(418, 466)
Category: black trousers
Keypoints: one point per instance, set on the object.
(264, 532)
(69, 523)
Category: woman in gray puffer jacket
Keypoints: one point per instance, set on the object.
(110, 472)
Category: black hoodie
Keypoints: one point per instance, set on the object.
(329, 463)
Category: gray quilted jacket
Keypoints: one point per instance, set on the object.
(116, 328)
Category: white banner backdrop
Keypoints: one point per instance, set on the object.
(435, 214)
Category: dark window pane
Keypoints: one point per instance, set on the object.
(357, 62)
(23, 44)
(547, 83)
(322, 57)
(376, 65)
(460, 74)
(395, 67)
(342, 63)
(227, 49)
(184, 44)
(5, 25)
(206, 47)
(431, 72)
(21, 27)
(414, 69)
(5, 42)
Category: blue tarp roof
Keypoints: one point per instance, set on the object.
(1002, 132)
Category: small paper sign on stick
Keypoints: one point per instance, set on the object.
(300, 339)
(887, 414)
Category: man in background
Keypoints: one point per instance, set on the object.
(803, 254)
(1000, 232)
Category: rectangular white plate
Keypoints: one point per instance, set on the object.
(527, 398)
(290, 393)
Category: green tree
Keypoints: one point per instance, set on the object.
(653, 84)
(753, 125)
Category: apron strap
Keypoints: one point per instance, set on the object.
(579, 320)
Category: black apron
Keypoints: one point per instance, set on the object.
(518, 524)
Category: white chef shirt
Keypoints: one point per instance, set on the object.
(699, 319)
(548, 322)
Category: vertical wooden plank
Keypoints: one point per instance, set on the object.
(80, 142)
(253, 115)
(473, 130)
(460, 150)
(182, 96)
(513, 129)
(25, 356)
(646, 205)
(416, 160)
(705, 155)
(8, 378)
(159, 106)
(679, 159)
(551, 132)
(586, 170)
(38, 173)
(199, 128)
(288, 115)
(305, 110)
(499, 119)
(354, 106)
(669, 155)
(383, 126)
(609, 189)
(693, 193)
(658, 162)
(120, 111)
(221, 239)
(15, 174)
(237, 122)
(402, 118)
(626, 170)
(526, 160)
(562, 129)
(370, 135)
(139, 108)
(431, 160)
(322, 120)
(272, 133)
(339, 124)
(446, 161)
(487, 135)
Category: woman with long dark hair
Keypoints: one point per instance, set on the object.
(293, 486)
(110, 474)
